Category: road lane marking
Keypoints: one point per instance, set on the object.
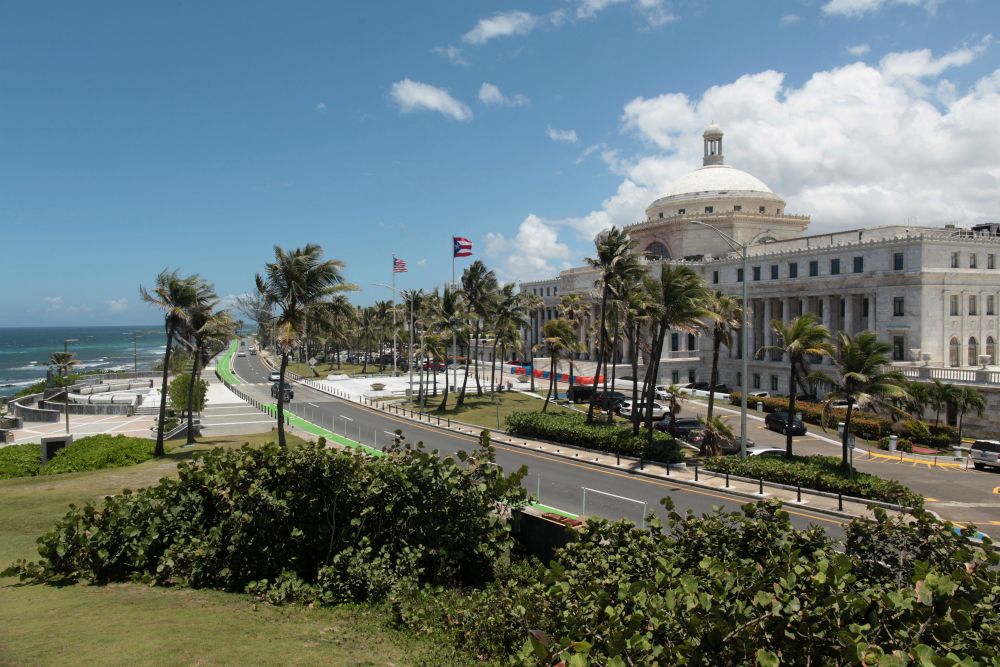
(996, 489)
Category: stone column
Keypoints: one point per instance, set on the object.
(848, 323)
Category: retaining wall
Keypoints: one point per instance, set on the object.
(23, 410)
(91, 408)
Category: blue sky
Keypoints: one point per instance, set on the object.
(139, 136)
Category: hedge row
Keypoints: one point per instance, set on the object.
(863, 425)
(571, 429)
(821, 473)
(94, 452)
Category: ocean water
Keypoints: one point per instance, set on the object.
(24, 351)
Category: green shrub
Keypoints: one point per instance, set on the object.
(179, 389)
(20, 461)
(572, 429)
(902, 444)
(821, 473)
(916, 430)
(97, 452)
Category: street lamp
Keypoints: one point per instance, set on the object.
(66, 378)
(410, 364)
(744, 331)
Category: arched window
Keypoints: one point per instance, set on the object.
(991, 350)
(973, 358)
(954, 353)
(657, 249)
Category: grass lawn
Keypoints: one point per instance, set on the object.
(324, 369)
(481, 410)
(128, 624)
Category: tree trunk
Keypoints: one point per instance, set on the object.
(465, 381)
(791, 410)
(614, 369)
(503, 355)
(552, 381)
(531, 355)
(600, 354)
(158, 451)
(714, 376)
(281, 400)
(845, 465)
(634, 341)
(479, 387)
(190, 397)
(493, 368)
(654, 370)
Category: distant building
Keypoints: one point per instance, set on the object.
(932, 293)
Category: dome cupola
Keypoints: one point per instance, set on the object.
(712, 137)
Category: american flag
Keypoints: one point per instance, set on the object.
(398, 265)
(462, 246)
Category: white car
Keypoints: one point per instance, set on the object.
(767, 452)
(659, 411)
(275, 376)
(241, 353)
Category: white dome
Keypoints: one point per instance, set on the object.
(718, 178)
(713, 131)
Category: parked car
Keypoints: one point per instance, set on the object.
(278, 386)
(275, 376)
(985, 454)
(680, 428)
(779, 421)
(253, 351)
(580, 393)
(659, 411)
(766, 452)
(607, 400)
(758, 394)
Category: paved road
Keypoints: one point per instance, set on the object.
(560, 482)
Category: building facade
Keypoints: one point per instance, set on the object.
(932, 293)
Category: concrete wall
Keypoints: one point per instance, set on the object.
(90, 408)
(24, 410)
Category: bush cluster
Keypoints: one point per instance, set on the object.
(572, 429)
(821, 473)
(95, 452)
(863, 425)
(307, 524)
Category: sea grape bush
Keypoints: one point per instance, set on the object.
(295, 523)
(94, 452)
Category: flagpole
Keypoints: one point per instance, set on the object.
(454, 336)
(393, 316)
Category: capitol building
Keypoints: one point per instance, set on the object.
(932, 293)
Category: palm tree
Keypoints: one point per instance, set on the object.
(479, 285)
(208, 328)
(449, 318)
(574, 310)
(640, 307)
(368, 331)
(681, 299)
(723, 318)
(532, 303)
(561, 341)
(176, 297)
(968, 399)
(506, 311)
(615, 260)
(940, 395)
(802, 338)
(293, 282)
(715, 432)
(864, 377)
(64, 363)
(918, 399)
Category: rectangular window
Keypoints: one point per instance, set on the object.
(897, 261)
(953, 302)
(675, 342)
(709, 209)
(675, 377)
(756, 273)
(793, 269)
(661, 214)
(715, 277)
(859, 264)
(739, 275)
(774, 383)
(774, 272)
(737, 208)
(897, 306)
(692, 342)
(898, 347)
(864, 307)
(954, 260)
(681, 211)
(761, 209)
(692, 376)
(972, 305)
(739, 379)
(756, 380)
(973, 261)
(813, 268)
(991, 261)
(834, 267)
(990, 305)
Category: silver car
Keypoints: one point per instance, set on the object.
(985, 453)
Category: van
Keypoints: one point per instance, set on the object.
(580, 393)
(985, 454)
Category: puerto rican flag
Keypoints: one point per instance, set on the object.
(462, 246)
(398, 265)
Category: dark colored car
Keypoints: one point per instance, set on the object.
(610, 400)
(289, 392)
(778, 421)
(681, 427)
(580, 393)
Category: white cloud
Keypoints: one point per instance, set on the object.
(320, 108)
(421, 262)
(789, 19)
(857, 8)
(53, 303)
(501, 24)
(568, 136)
(656, 12)
(416, 96)
(116, 305)
(490, 94)
(590, 150)
(534, 252)
(921, 64)
(858, 50)
(452, 53)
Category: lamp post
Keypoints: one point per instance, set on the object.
(410, 364)
(135, 352)
(66, 379)
(744, 331)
